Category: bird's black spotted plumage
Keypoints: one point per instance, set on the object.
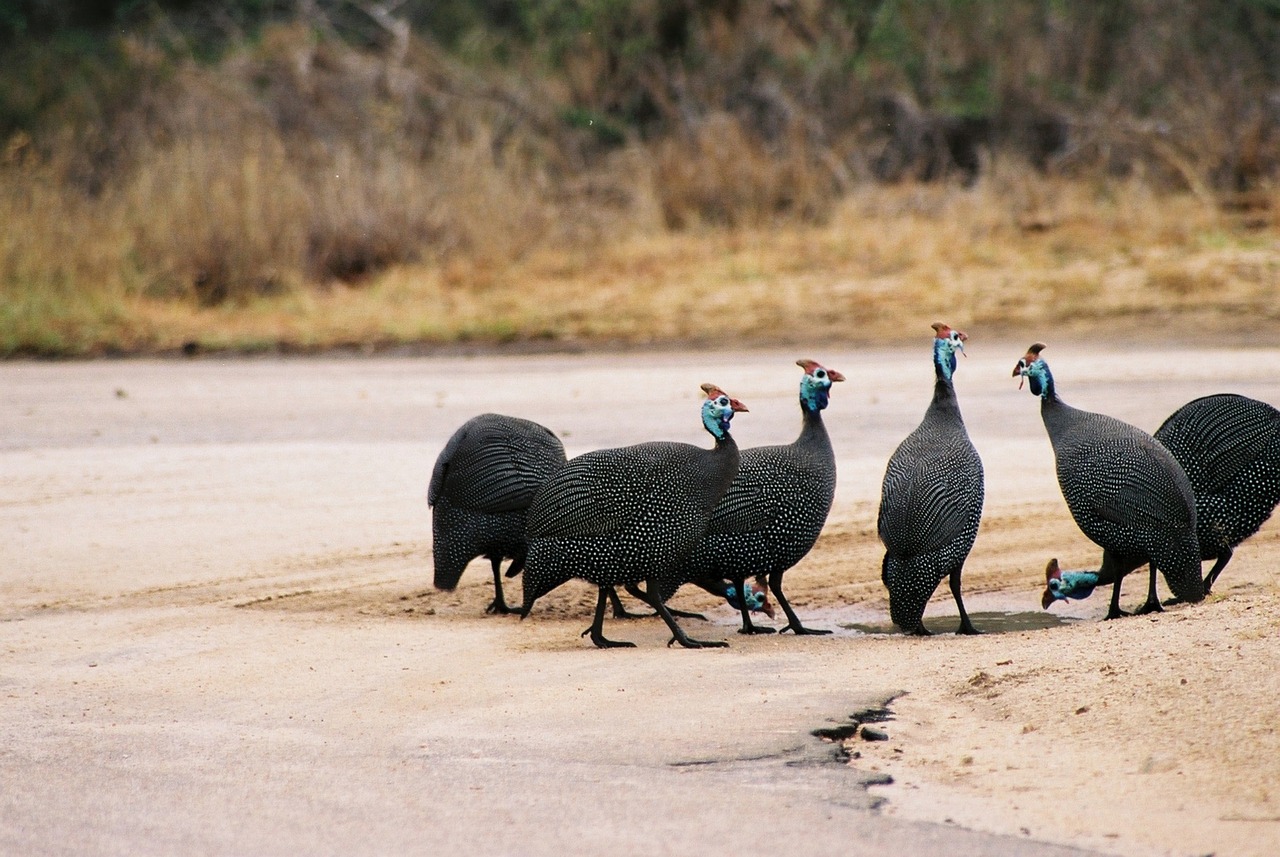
(480, 491)
(1126, 492)
(931, 500)
(617, 517)
(1229, 447)
(775, 508)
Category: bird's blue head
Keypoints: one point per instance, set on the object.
(757, 599)
(815, 386)
(1036, 372)
(946, 343)
(1061, 585)
(718, 411)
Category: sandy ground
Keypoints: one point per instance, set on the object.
(218, 634)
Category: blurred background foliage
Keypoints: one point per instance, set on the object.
(221, 151)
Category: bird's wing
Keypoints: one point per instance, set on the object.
(1218, 437)
(586, 496)
(929, 498)
(1134, 484)
(753, 499)
(486, 468)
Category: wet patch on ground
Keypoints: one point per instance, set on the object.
(988, 622)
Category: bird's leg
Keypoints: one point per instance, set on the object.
(635, 590)
(966, 627)
(597, 625)
(1218, 566)
(678, 635)
(1115, 612)
(621, 612)
(1152, 604)
(1110, 573)
(499, 604)
(793, 621)
(748, 627)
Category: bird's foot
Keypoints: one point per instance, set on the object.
(800, 630)
(602, 643)
(920, 631)
(756, 629)
(967, 629)
(1151, 606)
(498, 608)
(1117, 614)
(691, 643)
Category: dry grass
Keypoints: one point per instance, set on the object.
(250, 250)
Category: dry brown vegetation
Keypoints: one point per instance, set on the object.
(1013, 251)
(304, 192)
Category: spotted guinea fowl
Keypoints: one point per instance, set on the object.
(481, 488)
(1124, 489)
(775, 509)
(931, 500)
(1229, 447)
(620, 516)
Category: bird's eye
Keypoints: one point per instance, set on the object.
(723, 401)
(821, 373)
(955, 336)
(1055, 585)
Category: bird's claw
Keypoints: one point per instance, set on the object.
(690, 643)
(602, 643)
(801, 630)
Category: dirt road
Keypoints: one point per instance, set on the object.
(218, 633)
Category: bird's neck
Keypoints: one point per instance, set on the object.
(944, 396)
(1047, 389)
(811, 425)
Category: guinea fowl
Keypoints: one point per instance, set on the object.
(1229, 447)
(481, 488)
(620, 516)
(1125, 491)
(931, 500)
(775, 509)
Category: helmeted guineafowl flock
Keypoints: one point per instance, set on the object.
(663, 514)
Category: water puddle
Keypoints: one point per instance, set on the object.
(991, 612)
(988, 622)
